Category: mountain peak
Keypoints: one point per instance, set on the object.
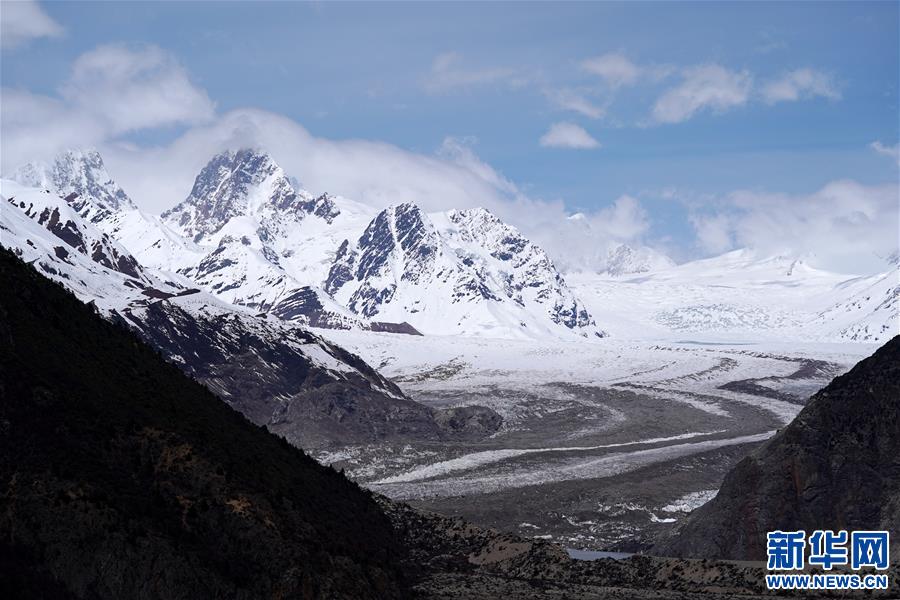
(80, 172)
(243, 182)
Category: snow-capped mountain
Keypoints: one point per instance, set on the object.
(242, 185)
(83, 174)
(249, 235)
(262, 242)
(333, 262)
(274, 371)
(72, 234)
(81, 177)
(456, 272)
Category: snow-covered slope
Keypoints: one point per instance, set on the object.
(741, 295)
(81, 177)
(52, 226)
(869, 313)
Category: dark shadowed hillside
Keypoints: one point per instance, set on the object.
(836, 466)
(122, 478)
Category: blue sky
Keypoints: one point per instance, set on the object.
(683, 104)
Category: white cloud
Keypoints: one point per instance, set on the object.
(23, 21)
(625, 220)
(845, 226)
(713, 233)
(110, 91)
(706, 87)
(568, 135)
(800, 84)
(891, 151)
(615, 69)
(372, 172)
(569, 99)
(136, 88)
(581, 242)
(448, 72)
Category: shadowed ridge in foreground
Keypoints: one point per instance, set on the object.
(835, 466)
(122, 478)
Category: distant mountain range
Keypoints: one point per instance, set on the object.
(249, 236)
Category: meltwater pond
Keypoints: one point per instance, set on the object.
(596, 554)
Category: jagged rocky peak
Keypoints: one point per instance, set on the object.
(399, 232)
(399, 245)
(533, 277)
(81, 177)
(242, 182)
(483, 227)
(404, 227)
(462, 266)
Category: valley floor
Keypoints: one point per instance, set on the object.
(604, 444)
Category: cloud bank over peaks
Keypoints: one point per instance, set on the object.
(111, 90)
(846, 226)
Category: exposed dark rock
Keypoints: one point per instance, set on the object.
(450, 558)
(266, 374)
(222, 189)
(473, 420)
(305, 305)
(81, 236)
(342, 269)
(386, 327)
(322, 207)
(835, 466)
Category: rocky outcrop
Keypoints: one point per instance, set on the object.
(300, 386)
(836, 466)
(450, 558)
(60, 217)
